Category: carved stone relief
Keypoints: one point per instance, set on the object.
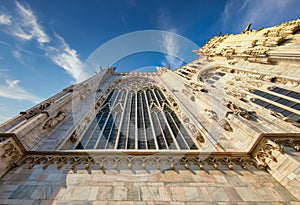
(265, 155)
(223, 123)
(238, 111)
(52, 122)
(195, 87)
(289, 142)
(36, 110)
(139, 162)
(282, 117)
(11, 153)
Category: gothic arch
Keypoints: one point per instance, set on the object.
(137, 113)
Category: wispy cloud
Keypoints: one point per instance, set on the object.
(11, 89)
(25, 26)
(169, 43)
(67, 58)
(5, 19)
(29, 28)
(16, 54)
(171, 47)
(237, 14)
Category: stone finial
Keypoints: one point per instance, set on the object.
(247, 27)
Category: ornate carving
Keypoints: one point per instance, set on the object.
(257, 52)
(199, 137)
(78, 130)
(99, 102)
(265, 154)
(36, 110)
(85, 94)
(10, 152)
(289, 142)
(236, 92)
(282, 117)
(259, 76)
(55, 120)
(195, 88)
(227, 52)
(162, 69)
(212, 114)
(223, 123)
(139, 162)
(238, 111)
(259, 60)
(172, 101)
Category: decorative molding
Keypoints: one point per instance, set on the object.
(85, 94)
(36, 110)
(265, 154)
(10, 151)
(262, 77)
(289, 142)
(269, 147)
(161, 162)
(196, 87)
(284, 118)
(234, 91)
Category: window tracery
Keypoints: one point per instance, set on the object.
(137, 114)
(277, 101)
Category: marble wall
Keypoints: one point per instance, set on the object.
(181, 186)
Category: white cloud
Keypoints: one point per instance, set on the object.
(171, 48)
(169, 43)
(11, 89)
(29, 27)
(56, 49)
(237, 14)
(16, 54)
(67, 58)
(5, 19)
(26, 27)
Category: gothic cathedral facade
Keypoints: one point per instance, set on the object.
(223, 129)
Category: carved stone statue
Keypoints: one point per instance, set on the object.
(55, 120)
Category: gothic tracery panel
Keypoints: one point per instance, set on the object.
(137, 115)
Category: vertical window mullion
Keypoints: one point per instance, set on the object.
(136, 123)
(131, 127)
(101, 133)
(154, 135)
(122, 118)
(143, 109)
(161, 130)
(91, 134)
(178, 130)
(111, 129)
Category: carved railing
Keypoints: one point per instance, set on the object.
(263, 152)
(140, 160)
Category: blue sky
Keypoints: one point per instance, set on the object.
(44, 45)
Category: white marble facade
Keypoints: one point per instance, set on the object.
(223, 129)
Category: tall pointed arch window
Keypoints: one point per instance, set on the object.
(137, 119)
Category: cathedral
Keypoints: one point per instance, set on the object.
(222, 129)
